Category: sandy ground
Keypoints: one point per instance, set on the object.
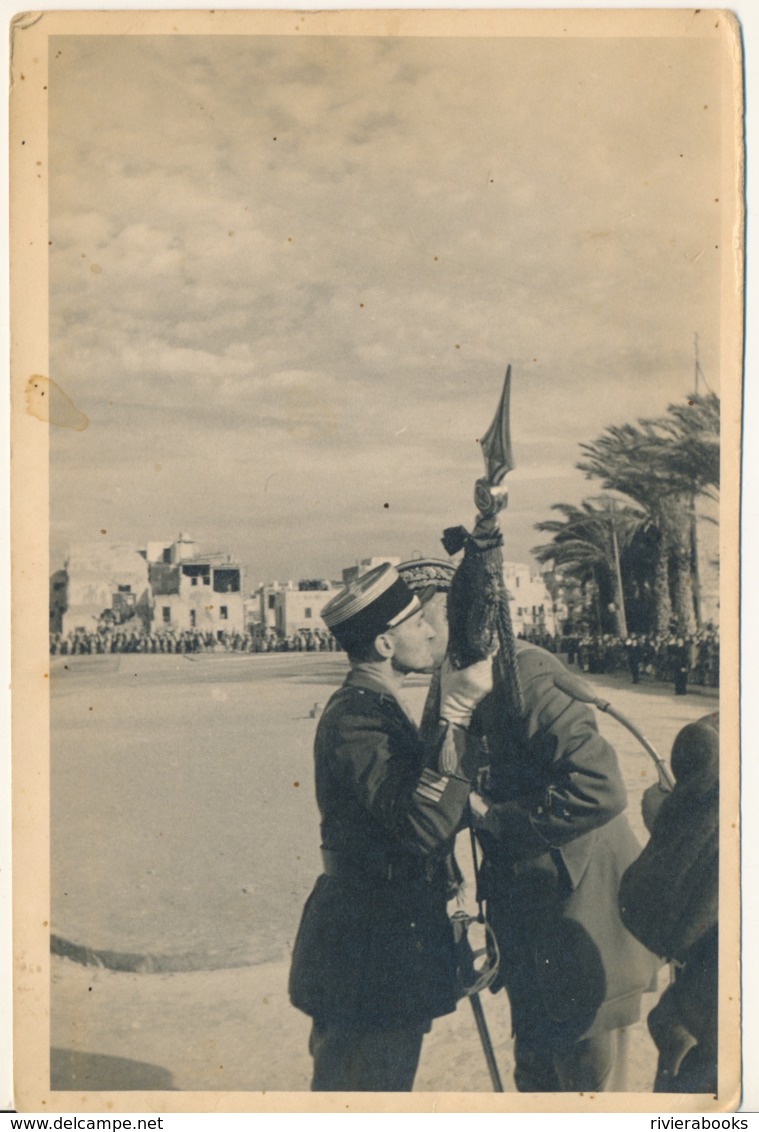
(234, 1030)
(185, 841)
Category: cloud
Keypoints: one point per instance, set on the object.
(291, 272)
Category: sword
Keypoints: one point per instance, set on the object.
(471, 982)
(487, 1045)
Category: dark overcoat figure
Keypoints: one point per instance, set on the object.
(633, 649)
(556, 843)
(679, 659)
(669, 898)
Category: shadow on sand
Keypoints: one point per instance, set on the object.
(70, 1069)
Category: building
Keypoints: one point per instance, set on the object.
(183, 547)
(363, 566)
(300, 608)
(168, 585)
(267, 603)
(530, 603)
(58, 584)
(195, 590)
(251, 609)
(287, 607)
(567, 599)
(100, 584)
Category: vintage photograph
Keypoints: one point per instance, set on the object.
(377, 395)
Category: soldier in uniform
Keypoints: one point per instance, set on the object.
(556, 843)
(373, 961)
(680, 663)
(632, 647)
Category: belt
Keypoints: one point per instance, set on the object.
(336, 864)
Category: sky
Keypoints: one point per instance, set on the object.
(287, 275)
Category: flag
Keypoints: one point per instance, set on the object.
(496, 443)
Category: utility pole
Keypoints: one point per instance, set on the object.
(693, 515)
(621, 618)
(700, 375)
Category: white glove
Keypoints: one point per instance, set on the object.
(480, 807)
(462, 689)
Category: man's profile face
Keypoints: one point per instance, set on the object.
(412, 641)
(436, 615)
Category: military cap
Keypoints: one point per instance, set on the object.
(427, 576)
(376, 601)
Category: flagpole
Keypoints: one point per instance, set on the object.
(621, 615)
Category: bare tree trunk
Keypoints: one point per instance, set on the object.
(682, 586)
(694, 558)
(663, 605)
(676, 521)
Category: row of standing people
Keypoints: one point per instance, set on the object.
(103, 641)
(662, 657)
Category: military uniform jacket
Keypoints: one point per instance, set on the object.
(556, 844)
(374, 948)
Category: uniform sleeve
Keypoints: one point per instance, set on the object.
(378, 765)
(579, 786)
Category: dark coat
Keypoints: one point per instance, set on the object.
(669, 897)
(556, 844)
(375, 948)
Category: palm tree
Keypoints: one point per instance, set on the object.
(638, 567)
(693, 430)
(585, 546)
(693, 456)
(662, 465)
(631, 460)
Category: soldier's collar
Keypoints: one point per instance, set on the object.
(372, 676)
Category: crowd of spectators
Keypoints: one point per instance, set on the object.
(644, 656)
(119, 639)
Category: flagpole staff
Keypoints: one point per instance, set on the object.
(480, 624)
(478, 605)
